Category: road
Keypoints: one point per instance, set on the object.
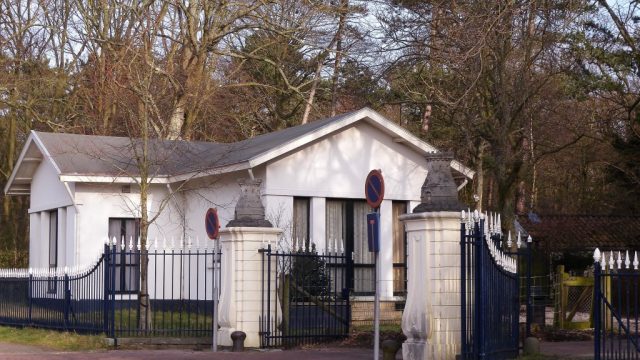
(23, 352)
(569, 349)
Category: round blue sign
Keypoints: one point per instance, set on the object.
(212, 223)
(374, 188)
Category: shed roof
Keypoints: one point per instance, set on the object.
(91, 158)
(583, 232)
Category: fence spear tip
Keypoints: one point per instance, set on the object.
(596, 255)
(619, 262)
(611, 260)
(627, 261)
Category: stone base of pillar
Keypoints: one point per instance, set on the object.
(241, 283)
(416, 350)
(224, 336)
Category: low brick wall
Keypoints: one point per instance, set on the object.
(362, 312)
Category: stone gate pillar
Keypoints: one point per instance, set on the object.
(241, 282)
(431, 317)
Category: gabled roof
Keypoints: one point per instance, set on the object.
(89, 158)
(583, 232)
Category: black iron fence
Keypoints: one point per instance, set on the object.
(66, 299)
(616, 306)
(490, 304)
(108, 296)
(305, 297)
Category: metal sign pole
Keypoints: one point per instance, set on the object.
(216, 271)
(376, 312)
(374, 193)
(212, 226)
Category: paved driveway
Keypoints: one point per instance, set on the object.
(570, 349)
(22, 352)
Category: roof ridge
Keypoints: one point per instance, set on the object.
(327, 121)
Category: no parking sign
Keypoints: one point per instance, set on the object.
(212, 223)
(374, 188)
(374, 193)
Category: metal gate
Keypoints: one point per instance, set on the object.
(616, 306)
(490, 305)
(305, 297)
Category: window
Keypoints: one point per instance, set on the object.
(53, 248)
(300, 235)
(53, 239)
(127, 261)
(347, 229)
(399, 249)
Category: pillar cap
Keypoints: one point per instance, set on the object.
(249, 209)
(439, 191)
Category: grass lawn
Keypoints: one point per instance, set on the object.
(57, 340)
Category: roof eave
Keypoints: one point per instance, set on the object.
(10, 182)
(210, 172)
(110, 179)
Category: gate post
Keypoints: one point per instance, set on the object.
(30, 295)
(431, 317)
(67, 298)
(479, 311)
(596, 304)
(105, 289)
(241, 273)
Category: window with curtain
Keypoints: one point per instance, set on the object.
(335, 225)
(399, 249)
(300, 235)
(53, 239)
(127, 262)
(363, 260)
(53, 247)
(346, 229)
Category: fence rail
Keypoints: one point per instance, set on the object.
(105, 297)
(616, 307)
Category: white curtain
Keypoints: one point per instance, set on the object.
(53, 239)
(360, 246)
(364, 280)
(127, 271)
(335, 225)
(300, 222)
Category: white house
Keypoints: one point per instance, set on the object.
(84, 188)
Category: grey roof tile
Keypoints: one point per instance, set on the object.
(76, 154)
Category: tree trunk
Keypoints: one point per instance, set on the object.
(344, 5)
(177, 119)
(480, 178)
(143, 165)
(312, 94)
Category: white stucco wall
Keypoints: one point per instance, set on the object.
(99, 202)
(337, 166)
(219, 192)
(48, 193)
